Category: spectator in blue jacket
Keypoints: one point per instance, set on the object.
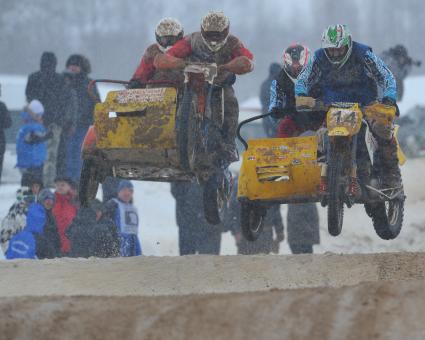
(39, 239)
(31, 140)
(124, 214)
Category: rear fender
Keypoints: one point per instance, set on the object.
(90, 140)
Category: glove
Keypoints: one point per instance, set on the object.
(304, 103)
(276, 113)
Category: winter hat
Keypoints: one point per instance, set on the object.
(45, 194)
(125, 184)
(48, 61)
(28, 179)
(64, 179)
(36, 107)
(81, 61)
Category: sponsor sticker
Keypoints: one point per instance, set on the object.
(141, 96)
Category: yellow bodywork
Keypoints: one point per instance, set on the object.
(400, 154)
(383, 114)
(137, 119)
(344, 121)
(279, 168)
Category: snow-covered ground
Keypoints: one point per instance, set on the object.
(158, 230)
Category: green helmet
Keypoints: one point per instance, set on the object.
(337, 37)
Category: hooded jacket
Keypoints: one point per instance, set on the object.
(50, 89)
(23, 245)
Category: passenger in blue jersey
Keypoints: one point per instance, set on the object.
(347, 71)
(124, 214)
(31, 146)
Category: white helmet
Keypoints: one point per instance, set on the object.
(215, 30)
(168, 32)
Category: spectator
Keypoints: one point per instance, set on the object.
(93, 233)
(5, 123)
(77, 70)
(49, 87)
(124, 214)
(196, 235)
(303, 227)
(16, 218)
(64, 210)
(400, 64)
(31, 140)
(39, 239)
(269, 124)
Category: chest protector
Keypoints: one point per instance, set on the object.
(201, 53)
(128, 218)
(349, 83)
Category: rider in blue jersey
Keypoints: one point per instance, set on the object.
(347, 71)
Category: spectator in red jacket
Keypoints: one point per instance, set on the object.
(167, 33)
(64, 210)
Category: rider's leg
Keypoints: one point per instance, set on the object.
(387, 154)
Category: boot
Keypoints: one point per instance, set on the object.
(391, 176)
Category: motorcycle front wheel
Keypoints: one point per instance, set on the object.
(336, 194)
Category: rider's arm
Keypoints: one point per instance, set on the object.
(145, 70)
(276, 98)
(241, 63)
(382, 75)
(307, 78)
(174, 58)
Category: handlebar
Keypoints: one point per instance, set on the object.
(246, 121)
(209, 71)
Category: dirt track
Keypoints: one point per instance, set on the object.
(229, 297)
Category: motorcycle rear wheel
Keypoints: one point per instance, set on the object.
(185, 113)
(214, 202)
(387, 217)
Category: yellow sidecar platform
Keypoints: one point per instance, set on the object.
(136, 134)
(283, 170)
